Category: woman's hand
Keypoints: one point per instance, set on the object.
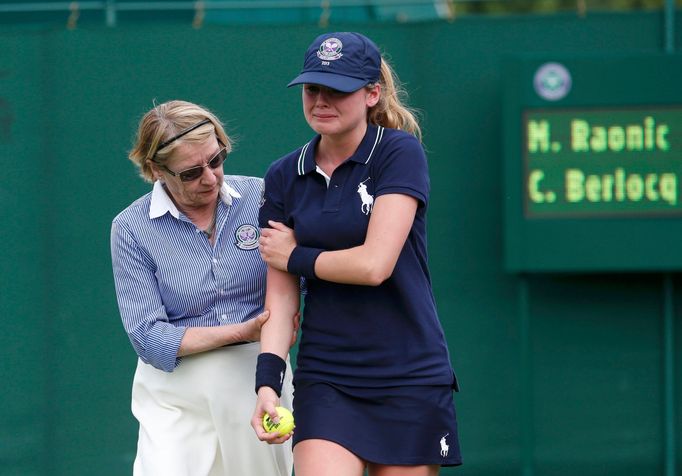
(252, 327)
(297, 325)
(266, 403)
(276, 245)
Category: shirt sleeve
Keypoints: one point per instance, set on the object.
(155, 340)
(403, 169)
(272, 204)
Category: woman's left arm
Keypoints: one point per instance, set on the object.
(369, 264)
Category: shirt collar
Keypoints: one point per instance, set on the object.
(364, 153)
(161, 202)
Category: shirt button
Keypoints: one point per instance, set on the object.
(215, 261)
(224, 317)
(197, 230)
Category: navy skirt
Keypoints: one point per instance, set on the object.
(410, 425)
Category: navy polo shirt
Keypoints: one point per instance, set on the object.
(354, 335)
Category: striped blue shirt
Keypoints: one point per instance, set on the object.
(169, 277)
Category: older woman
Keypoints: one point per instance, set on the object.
(190, 286)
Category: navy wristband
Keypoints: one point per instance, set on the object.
(302, 261)
(270, 370)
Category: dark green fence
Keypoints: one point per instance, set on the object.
(569, 374)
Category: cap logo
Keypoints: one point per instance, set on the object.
(330, 49)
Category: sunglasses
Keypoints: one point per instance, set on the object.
(193, 173)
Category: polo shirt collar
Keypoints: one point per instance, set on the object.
(161, 202)
(364, 153)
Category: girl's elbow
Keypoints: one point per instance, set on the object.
(376, 275)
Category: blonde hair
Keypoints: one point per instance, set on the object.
(390, 111)
(164, 122)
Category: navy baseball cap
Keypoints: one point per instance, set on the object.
(344, 61)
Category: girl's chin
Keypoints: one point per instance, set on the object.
(322, 127)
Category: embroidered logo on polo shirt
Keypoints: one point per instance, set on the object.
(367, 199)
(330, 49)
(444, 447)
(246, 237)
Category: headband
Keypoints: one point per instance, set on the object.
(181, 133)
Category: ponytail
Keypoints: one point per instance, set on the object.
(390, 111)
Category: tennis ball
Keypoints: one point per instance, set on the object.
(285, 425)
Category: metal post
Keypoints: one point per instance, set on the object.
(526, 379)
(669, 19)
(669, 414)
(111, 13)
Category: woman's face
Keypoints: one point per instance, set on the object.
(332, 112)
(202, 191)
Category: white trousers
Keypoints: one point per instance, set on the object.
(196, 420)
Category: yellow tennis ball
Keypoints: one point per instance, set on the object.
(285, 425)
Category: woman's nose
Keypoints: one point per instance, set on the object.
(209, 175)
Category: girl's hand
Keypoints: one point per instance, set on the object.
(276, 245)
(266, 403)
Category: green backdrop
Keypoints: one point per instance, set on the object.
(561, 374)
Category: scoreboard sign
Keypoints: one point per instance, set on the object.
(602, 162)
(593, 164)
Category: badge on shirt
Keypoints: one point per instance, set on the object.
(367, 199)
(246, 237)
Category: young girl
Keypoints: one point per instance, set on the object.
(347, 212)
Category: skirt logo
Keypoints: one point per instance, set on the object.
(444, 447)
